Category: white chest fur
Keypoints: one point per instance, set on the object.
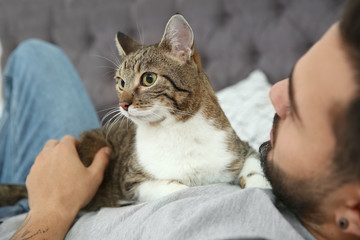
(193, 152)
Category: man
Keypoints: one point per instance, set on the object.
(312, 162)
(313, 158)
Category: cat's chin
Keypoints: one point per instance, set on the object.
(145, 121)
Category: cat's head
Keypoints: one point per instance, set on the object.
(162, 81)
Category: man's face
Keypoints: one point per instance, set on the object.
(298, 160)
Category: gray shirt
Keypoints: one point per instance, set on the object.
(219, 211)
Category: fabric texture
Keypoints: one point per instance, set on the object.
(44, 99)
(219, 211)
(22, 206)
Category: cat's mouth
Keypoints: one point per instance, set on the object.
(148, 115)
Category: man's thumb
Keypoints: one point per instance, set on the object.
(101, 160)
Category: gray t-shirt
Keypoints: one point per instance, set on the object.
(219, 211)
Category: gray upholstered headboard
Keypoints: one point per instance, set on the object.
(233, 37)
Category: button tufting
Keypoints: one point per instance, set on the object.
(254, 55)
(90, 39)
(279, 7)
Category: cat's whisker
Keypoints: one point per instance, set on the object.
(107, 67)
(107, 74)
(119, 117)
(114, 106)
(119, 114)
(141, 36)
(115, 54)
(122, 118)
(115, 111)
(116, 58)
(109, 60)
(127, 122)
(110, 122)
(110, 112)
(105, 119)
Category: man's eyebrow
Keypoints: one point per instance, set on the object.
(293, 105)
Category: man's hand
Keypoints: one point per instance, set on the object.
(59, 179)
(59, 185)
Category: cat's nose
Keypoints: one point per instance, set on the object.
(125, 105)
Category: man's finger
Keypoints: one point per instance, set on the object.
(50, 144)
(68, 139)
(70, 142)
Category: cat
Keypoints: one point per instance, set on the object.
(178, 136)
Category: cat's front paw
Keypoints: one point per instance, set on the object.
(152, 190)
(252, 175)
(254, 179)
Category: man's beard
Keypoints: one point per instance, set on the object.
(302, 197)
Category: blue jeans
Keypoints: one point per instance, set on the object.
(44, 99)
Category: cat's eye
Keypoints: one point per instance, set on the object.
(148, 79)
(121, 84)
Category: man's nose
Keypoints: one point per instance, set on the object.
(279, 96)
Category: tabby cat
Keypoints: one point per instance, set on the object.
(180, 136)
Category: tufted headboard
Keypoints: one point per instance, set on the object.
(233, 37)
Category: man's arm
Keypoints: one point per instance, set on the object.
(59, 186)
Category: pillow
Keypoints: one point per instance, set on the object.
(248, 108)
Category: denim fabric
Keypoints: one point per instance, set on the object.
(18, 208)
(44, 99)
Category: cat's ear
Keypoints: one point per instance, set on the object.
(178, 38)
(126, 44)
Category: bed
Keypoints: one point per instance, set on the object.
(245, 47)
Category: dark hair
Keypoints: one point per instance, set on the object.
(347, 152)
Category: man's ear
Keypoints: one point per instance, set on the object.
(126, 44)
(178, 38)
(350, 211)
